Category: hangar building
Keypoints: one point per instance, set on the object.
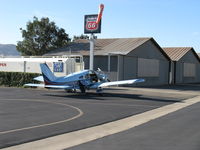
(124, 58)
(185, 65)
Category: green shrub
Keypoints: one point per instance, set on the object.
(17, 79)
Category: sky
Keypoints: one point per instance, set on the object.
(172, 23)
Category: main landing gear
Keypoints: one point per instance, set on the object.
(82, 87)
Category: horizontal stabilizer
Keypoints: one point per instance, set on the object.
(58, 86)
(34, 85)
(121, 82)
(49, 86)
(39, 78)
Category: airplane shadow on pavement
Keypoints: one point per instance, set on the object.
(107, 96)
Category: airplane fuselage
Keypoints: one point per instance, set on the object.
(83, 80)
(87, 78)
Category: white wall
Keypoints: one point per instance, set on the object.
(32, 65)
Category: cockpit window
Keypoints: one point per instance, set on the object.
(91, 75)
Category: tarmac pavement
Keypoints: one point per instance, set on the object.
(175, 131)
(27, 115)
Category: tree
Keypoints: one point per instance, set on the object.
(80, 37)
(41, 36)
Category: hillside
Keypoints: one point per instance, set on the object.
(8, 50)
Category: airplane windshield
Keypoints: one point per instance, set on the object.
(91, 76)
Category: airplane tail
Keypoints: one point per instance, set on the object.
(48, 75)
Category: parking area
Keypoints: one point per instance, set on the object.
(30, 114)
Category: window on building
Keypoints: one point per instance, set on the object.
(148, 67)
(189, 70)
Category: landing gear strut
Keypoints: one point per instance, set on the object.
(82, 87)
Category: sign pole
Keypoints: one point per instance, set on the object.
(91, 51)
(92, 24)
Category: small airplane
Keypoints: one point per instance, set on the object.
(83, 80)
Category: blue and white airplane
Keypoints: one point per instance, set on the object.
(83, 80)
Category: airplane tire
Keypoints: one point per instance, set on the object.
(70, 90)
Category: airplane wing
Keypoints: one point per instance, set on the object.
(49, 86)
(121, 82)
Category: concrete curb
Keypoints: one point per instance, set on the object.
(82, 136)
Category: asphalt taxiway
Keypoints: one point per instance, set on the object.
(27, 114)
(176, 131)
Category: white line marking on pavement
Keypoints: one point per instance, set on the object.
(86, 135)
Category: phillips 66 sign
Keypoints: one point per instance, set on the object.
(90, 24)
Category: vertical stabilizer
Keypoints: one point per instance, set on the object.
(47, 74)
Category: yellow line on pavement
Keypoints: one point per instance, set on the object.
(80, 113)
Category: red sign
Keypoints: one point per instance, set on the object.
(91, 25)
(2, 64)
